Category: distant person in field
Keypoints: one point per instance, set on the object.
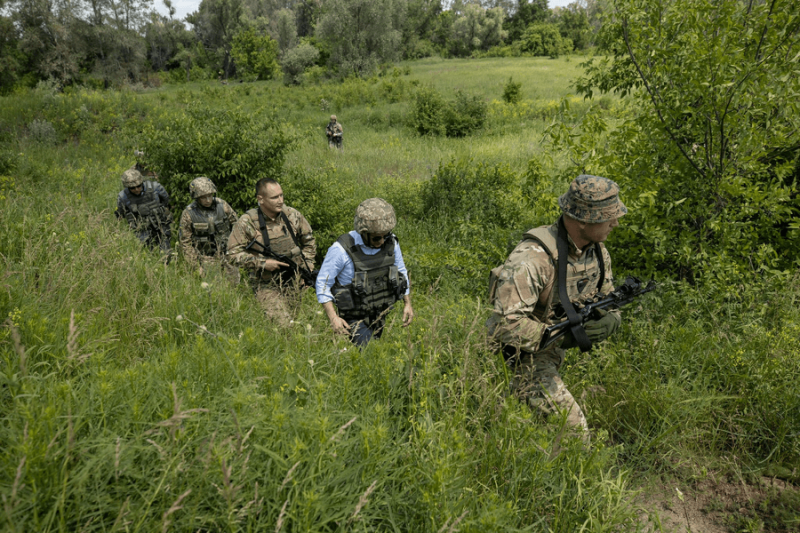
(530, 292)
(142, 166)
(145, 206)
(334, 132)
(364, 275)
(205, 226)
(272, 229)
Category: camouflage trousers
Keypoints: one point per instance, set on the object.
(537, 382)
(275, 301)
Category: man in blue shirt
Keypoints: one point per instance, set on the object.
(364, 275)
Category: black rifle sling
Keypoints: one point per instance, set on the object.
(294, 238)
(262, 224)
(574, 318)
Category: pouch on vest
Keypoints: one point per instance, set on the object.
(343, 297)
(494, 278)
(201, 227)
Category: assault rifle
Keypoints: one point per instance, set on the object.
(626, 293)
(288, 273)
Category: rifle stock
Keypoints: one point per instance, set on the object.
(286, 273)
(625, 294)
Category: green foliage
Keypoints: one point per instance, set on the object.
(512, 92)
(432, 115)
(544, 39)
(706, 158)
(476, 28)
(233, 148)
(296, 60)
(256, 56)
(428, 112)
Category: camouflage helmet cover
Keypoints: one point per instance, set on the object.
(592, 199)
(333, 118)
(375, 216)
(201, 186)
(132, 178)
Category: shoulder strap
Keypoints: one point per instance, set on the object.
(289, 227)
(220, 209)
(262, 225)
(599, 251)
(574, 319)
(349, 244)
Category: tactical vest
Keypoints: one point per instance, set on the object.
(283, 244)
(145, 208)
(376, 285)
(584, 280)
(210, 228)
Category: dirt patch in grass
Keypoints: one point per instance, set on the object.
(722, 506)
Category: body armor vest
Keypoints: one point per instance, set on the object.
(282, 244)
(376, 285)
(145, 208)
(210, 228)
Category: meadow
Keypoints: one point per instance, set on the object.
(138, 397)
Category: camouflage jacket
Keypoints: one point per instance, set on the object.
(526, 293)
(333, 128)
(186, 234)
(148, 213)
(247, 229)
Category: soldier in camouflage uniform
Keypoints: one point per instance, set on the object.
(287, 233)
(145, 206)
(334, 132)
(526, 294)
(205, 226)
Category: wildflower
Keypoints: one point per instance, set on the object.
(204, 285)
(308, 327)
(179, 318)
(311, 362)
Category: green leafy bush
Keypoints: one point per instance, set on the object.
(544, 39)
(512, 92)
(233, 148)
(256, 56)
(432, 115)
(296, 61)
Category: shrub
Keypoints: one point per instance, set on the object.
(432, 115)
(428, 113)
(296, 61)
(544, 39)
(512, 92)
(233, 148)
(256, 56)
(42, 132)
(465, 114)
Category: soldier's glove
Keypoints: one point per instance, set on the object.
(602, 326)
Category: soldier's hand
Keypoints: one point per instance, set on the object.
(273, 264)
(602, 326)
(340, 325)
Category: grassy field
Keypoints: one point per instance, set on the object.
(138, 397)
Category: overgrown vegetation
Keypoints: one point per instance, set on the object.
(136, 398)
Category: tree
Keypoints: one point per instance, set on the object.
(573, 24)
(255, 55)
(544, 39)
(296, 61)
(361, 33)
(708, 160)
(527, 12)
(215, 24)
(284, 29)
(477, 29)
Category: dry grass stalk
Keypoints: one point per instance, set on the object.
(18, 347)
(176, 420)
(161, 451)
(458, 521)
(342, 429)
(176, 506)
(281, 515)
(288, 476)
(123, 512)
(116, 458)
(362, 501)
(17, 486)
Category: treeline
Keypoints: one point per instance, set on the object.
(103, 43)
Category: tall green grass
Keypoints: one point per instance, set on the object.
(138, 397)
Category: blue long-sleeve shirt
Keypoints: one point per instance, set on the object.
(338, 266)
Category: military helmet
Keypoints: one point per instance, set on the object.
(333, 118)
(132, 178)
(374, 216)
(201, 186)
(138, 153)
(592, 199)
